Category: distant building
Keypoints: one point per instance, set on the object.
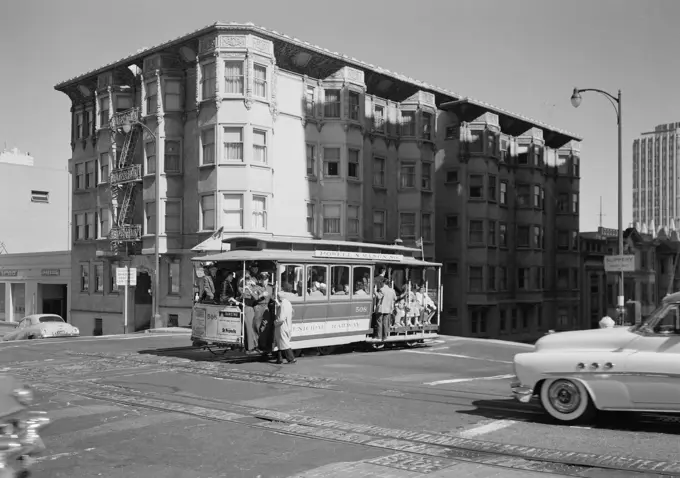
(656, 187)
(35, 198)
(260, 135)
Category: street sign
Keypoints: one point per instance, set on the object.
(133, 276)
(624, 263)
(121, 276)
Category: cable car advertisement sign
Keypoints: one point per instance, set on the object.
(229, 324)
(366, 256)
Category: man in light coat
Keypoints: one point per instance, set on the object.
(283, 329)
(387, 300)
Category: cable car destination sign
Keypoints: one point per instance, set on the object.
(371, 256)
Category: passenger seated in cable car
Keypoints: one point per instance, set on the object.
(359, 289)
(342, 290)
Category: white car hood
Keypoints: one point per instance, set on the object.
(596, 339)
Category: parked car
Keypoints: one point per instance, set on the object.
(19, 427)
(42, 326)
(636, 368)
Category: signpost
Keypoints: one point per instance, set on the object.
(126, 276)
(623, 263)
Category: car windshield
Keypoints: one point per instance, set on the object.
(664, 320)
(51, 318)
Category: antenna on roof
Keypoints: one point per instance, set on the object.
(3, 248)
(600, 213)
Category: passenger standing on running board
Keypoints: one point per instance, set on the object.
(385, 310)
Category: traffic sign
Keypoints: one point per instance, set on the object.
(121, 276)
(622, 263)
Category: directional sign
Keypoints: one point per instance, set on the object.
(121, 276)
(624, 263)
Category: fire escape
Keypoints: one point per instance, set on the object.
(124, 179)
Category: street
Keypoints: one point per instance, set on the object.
(151, 406)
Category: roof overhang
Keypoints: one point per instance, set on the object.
(468, 109)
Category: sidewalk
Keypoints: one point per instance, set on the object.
(169, 330)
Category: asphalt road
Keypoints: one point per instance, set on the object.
(150, 406)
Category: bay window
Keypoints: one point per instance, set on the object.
(408, 123)
(379, 118)
(259, 212)
(331, 162)
(104, 167)
(150, 217)
(407, 225)
(352, 220)
(408, 175)
(173, 156)
(331, 104)
(427, 126)
(172, 99)
(311, 160)
(150, 152)
(208, 79)
(232, 138)
(426, 180)
(234, 77)
(331, 218)
(309, 100)
(207, 212)
(354, 108)
(151, 97)
(208, 146)
(379, 172)
(232, 211)
(311, 215)
(353, 163)
(104, 103)
(173, 216)
(260, 146)
(379, 225)
(260, 81)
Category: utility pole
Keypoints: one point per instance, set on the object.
(601, 214)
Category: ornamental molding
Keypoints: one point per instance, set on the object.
(232, 41)
(273, 104)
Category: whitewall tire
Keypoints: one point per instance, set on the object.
(566, 400)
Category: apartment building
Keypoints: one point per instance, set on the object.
(263, 135)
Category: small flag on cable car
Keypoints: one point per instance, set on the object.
(217, 234)
(419, 242)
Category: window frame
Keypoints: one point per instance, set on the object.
(259, 147)
(99, 285)
(382, 225)
(147, 143)
(378, 126)
(180, 155)
(482, 233)
(201, 212)
(334, 218)
(481, 186)
(357, 219)
(403, 177)
(311, 172)
(91, 225)
(79, 176)
(263, 214)
(225, 196)
(426, 179)
(294, 297)
(402, 224)
(356, 164)
(407, 129)
(470, 289)
(329, 106)
(339, 297)
(223, 133)
(149, 98)
(203, 145)
(337, 161)
(311, 227)
(90, 174)
(426, 226)
(240, 79)
(206, 93)
(165, 216)
(179, 94)
(170, 290)
(84, 277)
(382, 171)
(356, 114)
(308, 279)
(103, 212)
(147, 210)
(103, 178)
(260, 82)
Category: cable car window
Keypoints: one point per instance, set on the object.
(317, 282)
(363, 284)
(340, 282)
(291, 277)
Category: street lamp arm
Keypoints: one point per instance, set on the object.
(616, 102)
(147, 129)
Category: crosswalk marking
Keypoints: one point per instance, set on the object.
(469, 357)
(493, 426)
(469, 379)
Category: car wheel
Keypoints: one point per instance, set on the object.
(567, 401)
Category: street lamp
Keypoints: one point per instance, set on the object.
(127, 127)
(616, 103)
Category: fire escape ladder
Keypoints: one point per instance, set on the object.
(127, 206)
(127, 154)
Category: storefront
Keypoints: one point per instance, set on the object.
(35, 283)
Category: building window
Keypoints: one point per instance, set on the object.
(427, 126)
(408, 175)
(476, 188)
(451, 221)
(104, 167)
(354, 106)
(574, 203)
(407, 225)
(79, 125)
(331, 162)
(452, 132)
(80, 227)
(492, 233)
(232, 139)
(563, 240)
(90, 175)
(173, 156)
(476, 232)
(89, 122)
(331, 218)
(104, 217)
(151, 97)
(99, 277)
(90, 226)
(451, 177)
(491, 278)
(260, 81)
(426, 180)
(40, 196)
(84, 277)
(311, 160)
(353, 163)
(150, 217)
(522, 155)
(173, 277)
(379, 172)
(259, 205)
(104, 103)
(491, 143)
(562, 278)
(563, 202)
(123, 103)
(379, 225)
(208, 80)
(113, 288)
(233, 77)
(523, 236)
(574, 241)
(260, 146)
(379, 118)
(408, 123)
(476, 279)
(172, 99)
(309, 101)
(208, 212)
(476, 143)
(523, 274)
(353, 220)
(575, 164)
(173, 216)
(426, 227)
(331, 107)
(504, 193)
(150, 150)
(451, 268)
(537, 197)
(523, 195)
(502, 278)
(208, 146)
(537, 237)
(311, 223)
(503, 235)
(492, 188)
(232, 211)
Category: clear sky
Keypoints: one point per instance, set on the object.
(522, 55)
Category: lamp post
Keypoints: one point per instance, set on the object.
(127, 127)
(616, 103)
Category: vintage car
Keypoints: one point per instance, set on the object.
(42, 326)
(19, 427)
(636, 368)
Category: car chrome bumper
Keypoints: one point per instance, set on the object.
(520, 392)
(18, 448)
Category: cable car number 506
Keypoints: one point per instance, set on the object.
(361, 309)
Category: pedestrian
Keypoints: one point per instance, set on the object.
(385, 310)
(251, 295)
(283, 329)
(264, 312)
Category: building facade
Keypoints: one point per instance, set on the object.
(656, 196)
(34, 283)
(263, 135)
(35, 197)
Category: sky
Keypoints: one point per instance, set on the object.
(525, 56)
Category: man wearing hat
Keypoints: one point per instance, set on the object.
(208, 291)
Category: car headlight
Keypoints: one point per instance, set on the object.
(76, 330)
(43, 332)
(23, 395)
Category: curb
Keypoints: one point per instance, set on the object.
(169, 330)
